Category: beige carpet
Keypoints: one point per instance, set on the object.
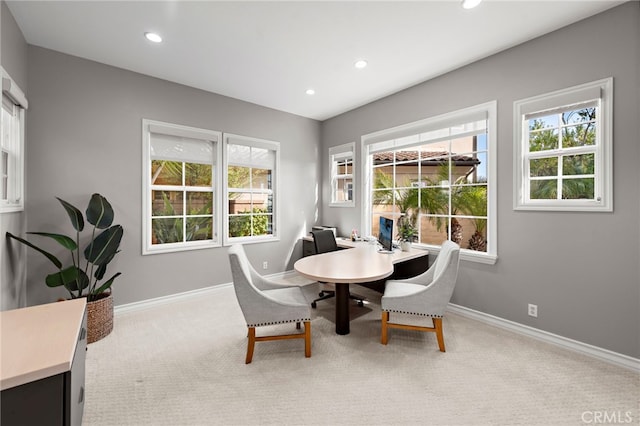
(182, 363)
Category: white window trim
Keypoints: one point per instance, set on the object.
(602, 90)
(16, 183)
(489, 109)
(176, 129)
(340, 151)
(229, 138)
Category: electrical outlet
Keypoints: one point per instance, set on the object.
(265, 265)
(533, 310)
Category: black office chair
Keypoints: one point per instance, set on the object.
(325, 241)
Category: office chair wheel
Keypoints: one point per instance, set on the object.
(314, 305)
(321, 294)
(361, 303)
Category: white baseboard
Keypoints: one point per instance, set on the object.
(162, 300)
(286, 277)
(606, 355)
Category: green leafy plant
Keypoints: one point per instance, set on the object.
(169, 229)
(84, 278)
(474, 203)
(406, 228)
(244, 226)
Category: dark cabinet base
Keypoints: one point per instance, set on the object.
(35, 403)
(55, 400)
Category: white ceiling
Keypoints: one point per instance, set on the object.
(269, 53)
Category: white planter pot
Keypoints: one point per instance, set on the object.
(405, 245)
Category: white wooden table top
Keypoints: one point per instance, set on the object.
(39, 341)
(362, 263)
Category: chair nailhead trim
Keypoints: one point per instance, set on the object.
(278, 322)
(413, 313)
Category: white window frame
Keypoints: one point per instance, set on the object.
(12, 125)
(336, 154)
(152, 126)
(409, 135)
(598, 93)
(231, 139)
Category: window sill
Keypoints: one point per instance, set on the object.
(177, 247)
(349, 204)
(583, 207)
(472, 256)
(251, 240)
(469, 255)
(11, 209)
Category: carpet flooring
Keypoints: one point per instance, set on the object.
(182, 363)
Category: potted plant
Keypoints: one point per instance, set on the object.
(84, 277)
(406, 232)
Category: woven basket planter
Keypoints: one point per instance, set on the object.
(99, 318)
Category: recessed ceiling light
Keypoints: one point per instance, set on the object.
(310, 92)
(153, 37)
(360, 64)
(470, 4)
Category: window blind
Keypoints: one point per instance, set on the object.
(251, 153)
(428, 133)
(7, 104)
(560, 110)
(342, 156)
(342, 152)
(547, 104)
(11, 90)
(176, 148)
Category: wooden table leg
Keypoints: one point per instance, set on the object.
(342, 308)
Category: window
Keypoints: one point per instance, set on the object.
(181, 182)
(563, 155)
(439, 174)
(341, 160)
(12, 118)
(251, 182)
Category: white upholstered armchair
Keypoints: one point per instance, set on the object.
(427, 294)
(265, 303)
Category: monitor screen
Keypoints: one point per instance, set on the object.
(385, 235)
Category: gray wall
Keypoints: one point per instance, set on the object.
(581, 269)
(85, 128)
(13, 57)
